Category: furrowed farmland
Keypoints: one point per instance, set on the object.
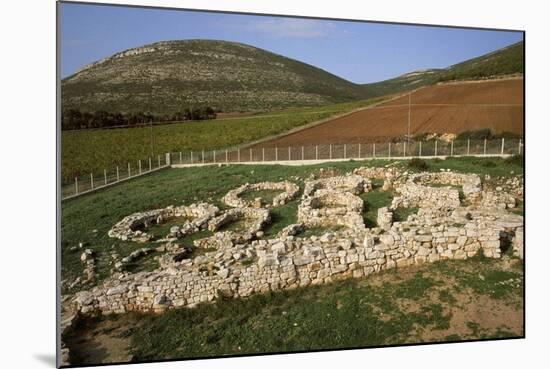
(444, 108)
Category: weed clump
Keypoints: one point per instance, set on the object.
(418, 164)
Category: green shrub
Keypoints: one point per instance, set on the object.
(418, 164)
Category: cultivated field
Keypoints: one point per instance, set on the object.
(446, 108)
(88, 151)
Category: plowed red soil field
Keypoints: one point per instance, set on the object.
(445, 108)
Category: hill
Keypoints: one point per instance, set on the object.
(505, 61)
(166, 77)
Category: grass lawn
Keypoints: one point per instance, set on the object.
(445, 301)
(88, 151)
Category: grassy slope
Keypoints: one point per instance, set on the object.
(101, 210)
(88, 151)
(506, 61)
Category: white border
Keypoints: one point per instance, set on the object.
(28, 185)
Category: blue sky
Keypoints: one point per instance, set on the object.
(359, 52)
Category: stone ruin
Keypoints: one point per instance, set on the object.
(239, 264)
(290, 190)
(133, 227)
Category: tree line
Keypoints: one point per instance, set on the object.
(76, 119)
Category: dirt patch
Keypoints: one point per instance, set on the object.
(101, 341)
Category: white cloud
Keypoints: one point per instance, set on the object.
(289, 27)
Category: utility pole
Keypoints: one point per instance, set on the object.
(409, 125)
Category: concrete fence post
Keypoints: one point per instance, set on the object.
(485, 147)
(117, 174)
(191, 157)
(150, 164)
(129, 171)
(345, 151)
(404, 148)
(330, 151)
(181, 157)
(214, 156)
(168, 159)
(226, 157)
(468, 148)
(289, 153)
(250, 159)
(92, 180)
(76, 185)
(359, 153)
(420, 148)
(435, 150)
(263, 153)
(158, 158)
(502, 147)
(316, 152)
(276, 154)
(519, 147)
(239, 154)
(374, 149)
(389, 150)
(139, 166)
(202, 156)
(452, 146)
(302, 153)
(105, 176)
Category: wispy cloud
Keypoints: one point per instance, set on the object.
(289, 27)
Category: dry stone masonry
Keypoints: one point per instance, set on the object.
(290, 190)
(240, 262)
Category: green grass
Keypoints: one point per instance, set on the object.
(267, 196)
(88, 151)
(401, 214)
(88, 218)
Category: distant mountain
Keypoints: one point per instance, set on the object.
(166, 77)
(505, 61)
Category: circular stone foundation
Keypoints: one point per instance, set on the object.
(234, 197)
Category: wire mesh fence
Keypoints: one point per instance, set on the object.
(326, 152)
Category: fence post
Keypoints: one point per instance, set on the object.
(452, 146)
(420, 148)
(129, 171)
(289, 153)
(250, 155)
(374, 149)
(117, 174)
(485, 147)
(105, 176)
(76, 185)
(150, 164)
(404, 148)
(519, 147)
(502, 147)
(276, 154)
(181, 157)
(168, 159)
(226, 157)
(158, 157)
(359, 151)
(263, 153)
(191, 157)
(330, 151)
(435, 152)
(203, 156)
(214, 155)
(92, 180)
(468, 149)
(345, 151)
(239, 154)
(139, 166)
(316, 152)
(302, 153)
(389, 150)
